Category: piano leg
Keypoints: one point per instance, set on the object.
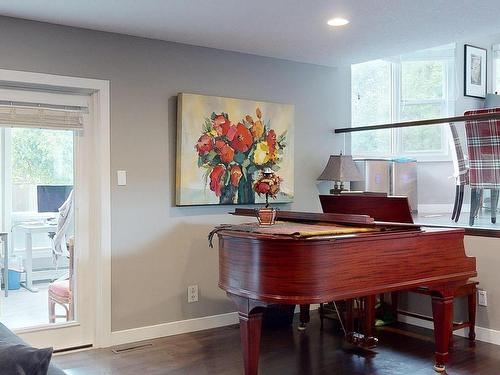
(250, 328)
(250, 316)
(442, 311)
(370, 341)
(304, 317)
(471, 302)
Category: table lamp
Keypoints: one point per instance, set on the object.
(340, 169)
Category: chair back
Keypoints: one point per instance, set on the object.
(483, 144)
(71, 250)
(460, 164)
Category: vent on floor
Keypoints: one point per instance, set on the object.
(131, 348)
(73, 348)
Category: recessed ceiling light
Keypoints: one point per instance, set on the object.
(337, 22)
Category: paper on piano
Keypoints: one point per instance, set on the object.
(310, 230)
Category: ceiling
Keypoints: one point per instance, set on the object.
(288, 29)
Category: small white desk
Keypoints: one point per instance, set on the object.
(29, 229)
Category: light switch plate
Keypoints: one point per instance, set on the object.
(121, 177)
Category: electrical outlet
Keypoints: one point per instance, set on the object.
(482, 298)
(193, 293)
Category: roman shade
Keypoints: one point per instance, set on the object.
(37, 108)
(37, 116)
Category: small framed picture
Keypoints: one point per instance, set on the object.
(475, 71)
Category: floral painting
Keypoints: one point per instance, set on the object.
(224, 143)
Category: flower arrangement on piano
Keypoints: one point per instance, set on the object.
(232, 153)
(268, 183)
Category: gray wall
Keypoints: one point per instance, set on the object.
(158, 249)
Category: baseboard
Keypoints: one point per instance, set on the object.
(173, 328)
(439, 208)
(490, 336)
(176, 328)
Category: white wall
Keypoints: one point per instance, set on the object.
(159, 249)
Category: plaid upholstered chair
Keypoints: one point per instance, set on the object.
(461, 172)
(483, 145)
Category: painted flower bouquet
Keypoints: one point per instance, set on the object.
(232, 153)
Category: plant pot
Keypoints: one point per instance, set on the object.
(266, 216)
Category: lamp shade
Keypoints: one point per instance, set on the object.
(340, 168)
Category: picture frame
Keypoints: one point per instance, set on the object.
(223, 146)
(475, 71)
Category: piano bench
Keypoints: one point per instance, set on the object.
(468, 290)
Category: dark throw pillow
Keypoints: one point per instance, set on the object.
(19, 359)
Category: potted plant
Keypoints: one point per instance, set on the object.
(267, 183)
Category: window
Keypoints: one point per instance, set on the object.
(38, 157)
(496, 68)
(410, 87)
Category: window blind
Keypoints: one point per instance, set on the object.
(30, 115)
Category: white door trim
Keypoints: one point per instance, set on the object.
(101, 229)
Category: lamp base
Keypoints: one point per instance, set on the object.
(338, 187)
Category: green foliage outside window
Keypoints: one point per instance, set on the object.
(385, 91)
(371, 104)
(42, 156)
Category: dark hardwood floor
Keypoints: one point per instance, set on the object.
(402, 349)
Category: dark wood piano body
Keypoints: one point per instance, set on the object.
(258, 270)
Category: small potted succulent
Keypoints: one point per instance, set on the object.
(267, 183)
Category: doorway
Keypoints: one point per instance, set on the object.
(55, 271)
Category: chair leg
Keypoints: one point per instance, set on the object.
(474, 203)
(455, 205)
(460, 202)
(479, 203)
(494, 205)
(67, 312)
(52, 311)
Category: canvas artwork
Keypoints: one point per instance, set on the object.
(223, 144)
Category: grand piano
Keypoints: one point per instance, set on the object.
(310, 258)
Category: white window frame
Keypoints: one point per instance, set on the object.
(444, 154)
(98, 226)
(495, 49)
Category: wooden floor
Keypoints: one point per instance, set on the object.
(402, 350)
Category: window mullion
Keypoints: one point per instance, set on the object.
(396, 106)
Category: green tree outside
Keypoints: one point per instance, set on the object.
(42, 156)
